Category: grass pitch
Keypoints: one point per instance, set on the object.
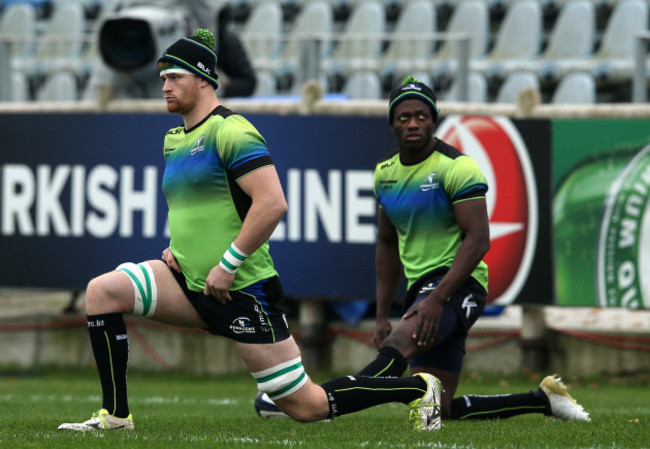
(174, 410)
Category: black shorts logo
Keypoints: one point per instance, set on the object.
(264, 325)
(242, 325)
(468, 305)
(428, 288)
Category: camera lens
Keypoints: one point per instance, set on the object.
(126, 44)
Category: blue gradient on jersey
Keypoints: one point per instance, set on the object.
(204, 212)
(410, 204)
(419, 202)
(189, 176)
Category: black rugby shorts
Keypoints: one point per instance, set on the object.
(256, 314)
(467, 302)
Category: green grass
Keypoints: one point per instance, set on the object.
(174, 410)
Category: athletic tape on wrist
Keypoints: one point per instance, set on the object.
(232, 259)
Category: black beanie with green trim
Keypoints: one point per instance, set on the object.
(412, 88)
(196, 54)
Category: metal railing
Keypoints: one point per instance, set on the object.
(5, 72)
(360, 50)
(310, 58)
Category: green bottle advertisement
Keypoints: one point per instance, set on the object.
(601, 215)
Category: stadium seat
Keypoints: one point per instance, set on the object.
(314, 21)
(572, 37)
(513, 84)
(87, 5)
(363, 84)
(61, 45)
(470, 17)
(19, 87)
(36, 4)
(261, 35)
(60, 86)
(18, 28)
(409, 47)
(360, 43)
(476, 89)
(266, 84)
(613, 60)
(575, 88)
(519, 37)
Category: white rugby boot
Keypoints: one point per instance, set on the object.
(100, 420)
(425, 412)
(563, 406)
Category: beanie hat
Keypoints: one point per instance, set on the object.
(194, 53)
(412, 88)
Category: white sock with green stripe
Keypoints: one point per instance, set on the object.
(282, 379)
(144, 287)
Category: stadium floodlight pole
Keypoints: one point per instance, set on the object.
(639, 83)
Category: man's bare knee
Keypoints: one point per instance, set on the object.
(308, 404)
(104, 295)
(401, 341)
